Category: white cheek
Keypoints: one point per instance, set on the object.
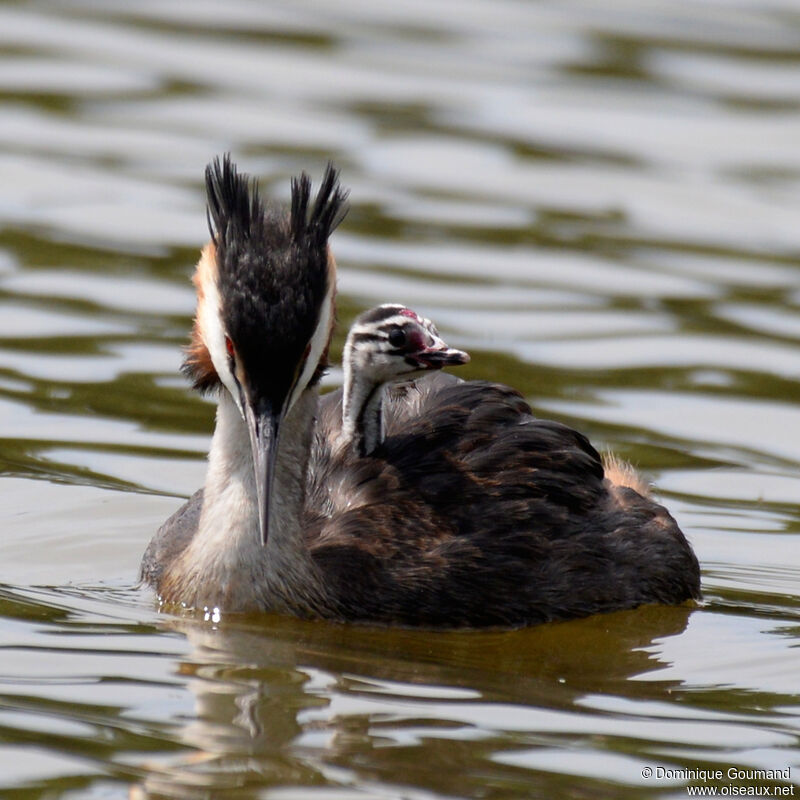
(214, 336)
(319, 340)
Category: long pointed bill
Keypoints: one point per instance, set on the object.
(264, 427)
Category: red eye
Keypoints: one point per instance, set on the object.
(229, 346)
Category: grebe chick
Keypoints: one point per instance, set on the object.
(470, 513)
(387, 345)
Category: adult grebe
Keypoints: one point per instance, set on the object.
(471, 512)
(385, 347)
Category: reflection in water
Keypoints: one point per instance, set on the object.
(268, 694)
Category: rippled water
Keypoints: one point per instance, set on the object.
(600, 201)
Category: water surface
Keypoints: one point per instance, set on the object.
(601, 204)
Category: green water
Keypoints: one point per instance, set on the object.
(601, 203)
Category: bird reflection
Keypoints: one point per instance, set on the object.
(282, 702)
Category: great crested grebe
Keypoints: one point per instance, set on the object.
(471, 512)
(386, 346)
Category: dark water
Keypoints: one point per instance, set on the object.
(600, 201)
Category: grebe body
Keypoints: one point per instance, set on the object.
(466, 512)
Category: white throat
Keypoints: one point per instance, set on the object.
(225, 565)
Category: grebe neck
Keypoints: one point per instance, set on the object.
(363, 426)
(226, 565)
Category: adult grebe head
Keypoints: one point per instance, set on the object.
(265, 284)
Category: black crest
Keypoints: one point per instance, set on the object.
(235, 210)
(273, 270)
